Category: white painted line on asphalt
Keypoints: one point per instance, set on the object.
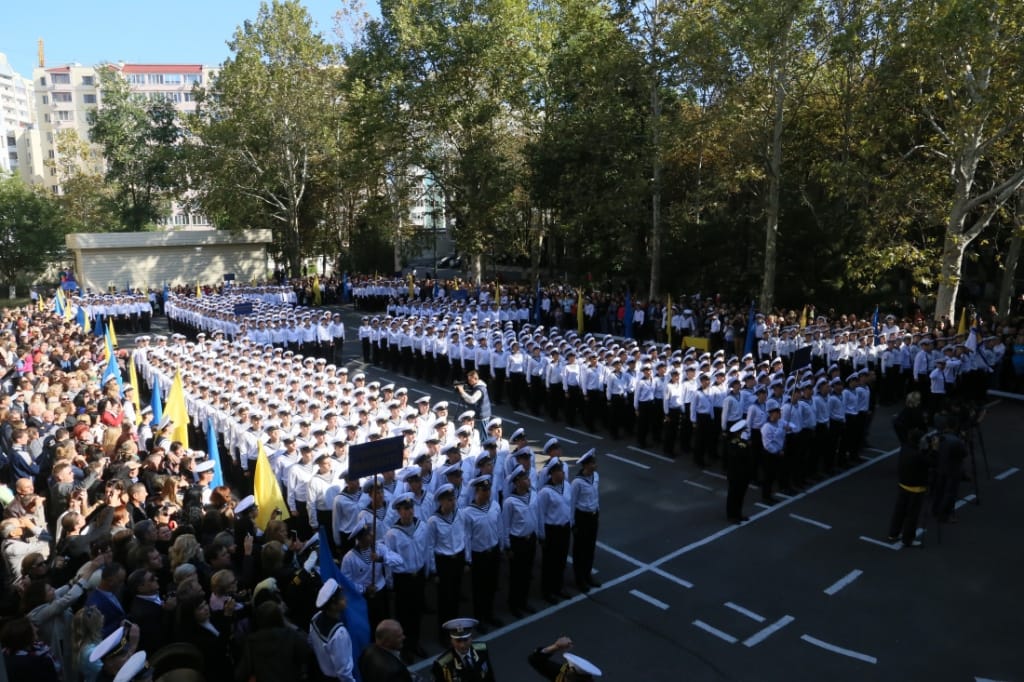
(446, 390)
(865, 458)
(627, 461)
(767, 632)
(416, 390)
(640, 564)
(985, 679)
(650, 454)
(1006, 474)
(715, 474)
(762, 505)
(699, 485)
(510, 421)
(715, 631)
(895, 546)
(568, 560)
(843, 582)
(878, 450)
(812, 522)
(784, 496)
(746, 612)
(584, 433)
(839, 650)
(993, 403)
(1004, 394)
(528, 416)
(964, 501)
(649, 599)
(561, 438)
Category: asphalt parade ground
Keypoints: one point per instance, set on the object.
(807, 589)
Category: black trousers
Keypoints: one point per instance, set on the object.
(537, 391)
(905, 514)
(485, 582)
(497, 386)
(671, 432)
(409, 605)
(646, 412)
(593, 409)
(553, 559)
(584, 543)
(573, 405)
(517, 389)
(704, 440)
(520, 569)
(449, 587)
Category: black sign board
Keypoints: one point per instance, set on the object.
(243, 309)
(229, 277)
(801, 358)
(375, 457)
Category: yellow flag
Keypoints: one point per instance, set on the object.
(39, 304)
(175, 408)
(412, 286)
(199, 291)
(803, 318)
(68, 313)
(668, 319)
(266, 490)
(497, 294)
(962, 328)
(113, 335)
(88, 322)
(133, 379)
(316, 290)
(579, 311)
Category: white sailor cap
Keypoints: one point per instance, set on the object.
(327, 592)
(514, 474)
(202, 467)
(402, 500)
(496, 421)
(738, 426)
(245, 503)
(587, 456)
(444, 489)
(132, 667)
(517, 434)
(582, 665)
(113, 644)
(460, 628)
(410, 472)
(468, 415)
(553, 463)
(443, 405)
(550, 444)
(482, 481)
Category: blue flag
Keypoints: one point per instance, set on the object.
(346, 288)
(536, 304)
(875, 325)
(156, 404)
(355, 616)
(112, 371)
(80, 317)
(437, 289)
(748, 347)
(214, 452)
(627, 316)
(99, 327)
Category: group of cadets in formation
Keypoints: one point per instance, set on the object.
(468, 496)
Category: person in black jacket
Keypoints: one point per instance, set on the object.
(147, 610)
(273, 651)
(381, 661)
(913, 468)
(574, 669)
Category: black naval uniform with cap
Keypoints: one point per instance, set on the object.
(464, 660)
(739, 469)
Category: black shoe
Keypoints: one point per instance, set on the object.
(593, 583)
(550, 598)
(583, 587)
(529, 609)
(516, 613)
(892, 538)
(563, 595)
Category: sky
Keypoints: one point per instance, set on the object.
(134, 31)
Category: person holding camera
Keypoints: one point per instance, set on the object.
(474, 394)
(913, 468)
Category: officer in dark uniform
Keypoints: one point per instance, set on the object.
(464, 661)
(739, 468)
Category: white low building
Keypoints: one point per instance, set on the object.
(152, 259)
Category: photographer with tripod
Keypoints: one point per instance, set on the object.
(951, 451)
(474, 394)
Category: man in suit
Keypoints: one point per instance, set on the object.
(381, 661)
(147, 610)
(106, 597)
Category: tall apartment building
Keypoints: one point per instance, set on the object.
(18, 131)
(65, 94)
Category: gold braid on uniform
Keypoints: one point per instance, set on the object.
(563, 673)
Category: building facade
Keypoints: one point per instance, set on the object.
(22, 154)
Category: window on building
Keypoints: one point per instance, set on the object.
(46, 117)
(11, 142)
(192, 78)
(13, 156)
(172, 96)
(187, 97)
(137, 78)
(62, 97)
(53, 171)
(61, 78)
(156, 79)
(42, 81)
(52, 154)
(172, 78)
(89, 99)
(46, 99)
(88, 80)
(65, 116)
(55, 189)
(49, 138)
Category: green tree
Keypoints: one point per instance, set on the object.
(263, 135)
(140, 145)
(87, 202)
(30, 234)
